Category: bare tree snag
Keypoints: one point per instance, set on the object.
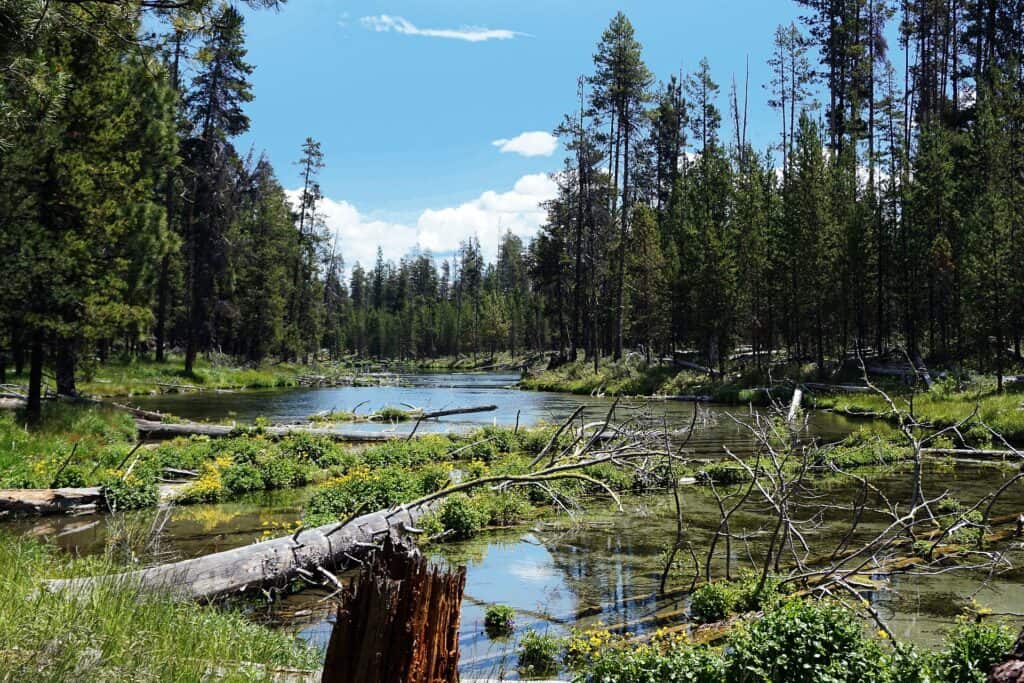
(398, 622)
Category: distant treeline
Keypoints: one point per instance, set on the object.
(887, 214)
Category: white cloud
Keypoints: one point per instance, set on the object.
(474, 34)
(487, 217)
(536, 143)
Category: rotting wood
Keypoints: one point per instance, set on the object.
(269, 564)
(398, 622)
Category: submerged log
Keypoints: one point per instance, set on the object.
(269, 564)
(398, 622)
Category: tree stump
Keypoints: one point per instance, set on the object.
(398, 622)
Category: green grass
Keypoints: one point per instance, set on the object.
(386, 414)
(33, 458)
(637, 378)
(135, 377)
(115, 632)
(1004, 412)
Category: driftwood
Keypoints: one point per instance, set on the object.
(273, 563)
(398, 622)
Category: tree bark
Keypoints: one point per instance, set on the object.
(64, 367)
(34, 405)
(398, 622)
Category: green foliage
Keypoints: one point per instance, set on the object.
(130, 493)
(712, 602)
(499, 621)
(362, 489)
(538, 654)
(803, 640)
(240, 477)
(462, 516)
(971, 650)
(675, 662)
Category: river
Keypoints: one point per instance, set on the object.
(553, 569)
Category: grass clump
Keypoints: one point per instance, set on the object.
(499, 621)
(116, 632)
(538, 654)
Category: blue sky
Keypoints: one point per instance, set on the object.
(408, 107)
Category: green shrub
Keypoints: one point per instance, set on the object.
(70, 476)
(242, 477)
(434, 477)
(130, 493)
(713, 602)
(678, 662)
(281, 472)
(538, 654)
(499, 621)
(503, 509)
(462, 516)
(971, 650)
(362, 488)
(804, 640)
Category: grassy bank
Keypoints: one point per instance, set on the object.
(945, 407)
(637, 378)
(118, 633)
(145, 377)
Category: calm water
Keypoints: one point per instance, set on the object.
(438, 391)
(604, 564)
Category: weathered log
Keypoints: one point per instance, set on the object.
(162, 430)
(49, 501)
(273, 563)
(457, 411)
(398, 622)
(65, 500)
(981, 454)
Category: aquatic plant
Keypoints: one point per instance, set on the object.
(499, 621)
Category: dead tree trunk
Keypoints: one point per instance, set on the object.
(268, 564)
(398, 622)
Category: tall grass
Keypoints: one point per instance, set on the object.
(1004, 413)
(116, 632)
(42, 456)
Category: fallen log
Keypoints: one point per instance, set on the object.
(269, 564)
(49, 501)
(981, 454)
(69, 501)
(149, 429)
(457, 411)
